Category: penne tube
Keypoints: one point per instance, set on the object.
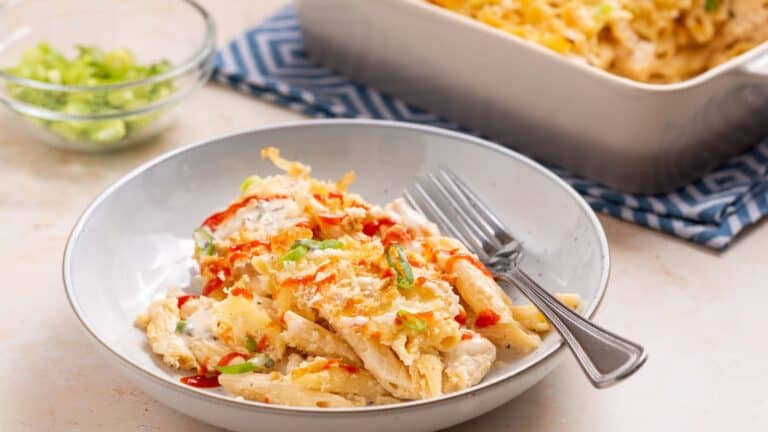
(468, 362)
(334, 376)
(532, 319)
(277, 389)
(427, 373)
(160, 321)
(487, 300)
(382, 363)
(304, 335)
(511, 335)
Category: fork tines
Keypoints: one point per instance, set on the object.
(444, 198)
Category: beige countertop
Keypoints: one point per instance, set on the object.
(701, 315)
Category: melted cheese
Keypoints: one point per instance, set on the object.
(201, 324)
(262, 218)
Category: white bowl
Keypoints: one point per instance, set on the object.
(131, 243)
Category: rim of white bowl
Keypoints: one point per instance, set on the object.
(169, 382)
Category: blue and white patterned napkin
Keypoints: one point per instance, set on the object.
(270, 61)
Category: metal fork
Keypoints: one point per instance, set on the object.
(606, 358)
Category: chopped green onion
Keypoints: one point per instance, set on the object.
(315, 244)
(257, 362)
(296, 253)
(412, 322)
(236, 369)
(90, 67)
(180, 326)
(301, 247)
(711, 5)
(331, 244)
(106, 131)
(402, 268)
(247, 183)
(204, 241)
(250, 344)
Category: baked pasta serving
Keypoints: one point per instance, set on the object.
(647, 40)
(313, 297)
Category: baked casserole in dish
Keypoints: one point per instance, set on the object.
(643, 96)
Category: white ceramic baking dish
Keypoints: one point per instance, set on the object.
(633, 136)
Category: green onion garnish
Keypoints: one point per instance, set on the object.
(301, 247)
(402, 268)
(204, 241)
(315, 244)
(180, 326)
(711, 5)
(90, 67)
(247, 183)
(257, 362)
(250, 344)
(296, 253)
(412, 322)
(236, 369)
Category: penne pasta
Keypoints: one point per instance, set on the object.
(468, 362)
(160, 322)
(532, 319)
(427, 373)
(334, 376)
(485, 298)
(304, 335)
(277, 389)
(382, 363)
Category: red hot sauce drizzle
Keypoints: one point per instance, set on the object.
(217, 219)
(486, 318)
(205, 380)
(201, 381)
(181, 300)
(372, 227)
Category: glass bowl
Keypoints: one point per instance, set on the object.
(178, 34)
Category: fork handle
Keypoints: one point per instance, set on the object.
(605, 357)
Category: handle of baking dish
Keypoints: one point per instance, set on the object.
(757, 68)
